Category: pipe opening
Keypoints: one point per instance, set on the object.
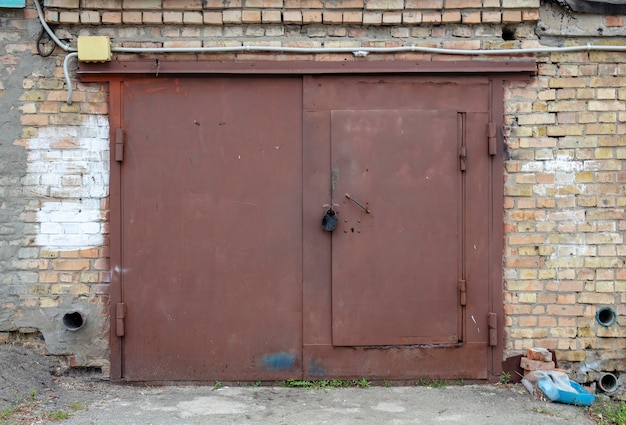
(606, 316)
(607, 382)
(508, 33)
(73, 321)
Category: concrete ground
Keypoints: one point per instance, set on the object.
(462, 404)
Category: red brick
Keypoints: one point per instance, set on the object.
(528, 364)
(424, 4)
(142, 4)
(345, 4)
(614, 21)
(303, 4)
(463, 4)
(183, 5)
(70, 264)
(99, 4)
(539, 354)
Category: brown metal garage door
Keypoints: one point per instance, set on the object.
(225, 271)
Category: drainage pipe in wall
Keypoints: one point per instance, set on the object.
(607, 382)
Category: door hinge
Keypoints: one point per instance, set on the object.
(461, 140)
(492, 323)
(463, 291)
(492, 137)
(463, 156)
(119, 144)
(120, 316)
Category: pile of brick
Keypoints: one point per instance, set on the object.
(537, 358)
(539, 365)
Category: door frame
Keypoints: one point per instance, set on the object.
(498, 72)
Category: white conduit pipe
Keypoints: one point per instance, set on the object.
(63, 46)
(44, 24)
(363, 51)
(67, 75)
(357, 51)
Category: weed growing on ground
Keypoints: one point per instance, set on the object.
(7, 413)
(254, 384)
(362, 383)
(78, 406)
(434, 383)
(608, 412)
(543, 410)
(59, 415)
(505, 378)
(326, 384)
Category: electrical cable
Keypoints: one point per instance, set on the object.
(45, 44)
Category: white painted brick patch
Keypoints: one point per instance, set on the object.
(69, 168)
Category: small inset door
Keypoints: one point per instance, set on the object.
(396, 256)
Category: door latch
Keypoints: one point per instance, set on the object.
(366, 209)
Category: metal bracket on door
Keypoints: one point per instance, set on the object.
(120, 316)
(492, 321)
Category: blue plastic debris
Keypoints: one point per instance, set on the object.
(570, 393)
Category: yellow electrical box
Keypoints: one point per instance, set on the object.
(94, 49)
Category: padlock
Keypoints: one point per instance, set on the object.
(329, 221)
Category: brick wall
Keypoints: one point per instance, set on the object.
(565, 137)
(565, 200)
(53, 199)
(332, 12)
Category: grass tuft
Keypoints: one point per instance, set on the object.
(433, 383)
(608, 412)
(326, 384)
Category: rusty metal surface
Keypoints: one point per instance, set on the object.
(224, 266)
(522, 69)
(495, 225)
(464, 361)
(327, 97)
(211, 224)
(115, 243)
(362, 92)
(395, 265)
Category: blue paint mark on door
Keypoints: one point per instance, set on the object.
(279, 361)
